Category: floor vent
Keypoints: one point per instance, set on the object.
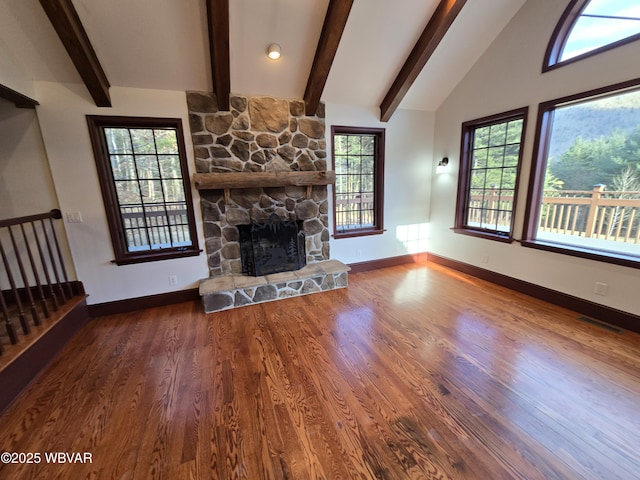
(604, 325)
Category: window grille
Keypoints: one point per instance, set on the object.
(358, 155)
(142, 172)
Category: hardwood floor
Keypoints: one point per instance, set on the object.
(412, 372)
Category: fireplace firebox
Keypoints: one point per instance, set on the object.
(271, 247)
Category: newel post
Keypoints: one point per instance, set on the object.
(593, 209)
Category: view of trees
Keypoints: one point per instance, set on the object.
(145, 165)
(596, 142)
(148, 180)
(496, 150)
(493, 173)
(354, 166)
(612, 160)
(354, 156)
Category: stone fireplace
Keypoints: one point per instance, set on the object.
(261, 159)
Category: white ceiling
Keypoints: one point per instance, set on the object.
(163, 44)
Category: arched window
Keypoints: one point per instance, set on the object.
(588, 27)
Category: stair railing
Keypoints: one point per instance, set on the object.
(34, 277)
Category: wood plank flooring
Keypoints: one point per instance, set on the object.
(413, 372)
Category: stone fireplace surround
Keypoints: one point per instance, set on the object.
(260, 134)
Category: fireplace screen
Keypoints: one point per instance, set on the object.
(271, 247)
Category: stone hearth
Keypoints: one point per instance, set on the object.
(230, 291)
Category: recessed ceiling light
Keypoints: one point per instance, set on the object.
(273, 51)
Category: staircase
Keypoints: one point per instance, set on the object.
(41, 308)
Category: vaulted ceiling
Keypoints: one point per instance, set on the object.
(392, 54)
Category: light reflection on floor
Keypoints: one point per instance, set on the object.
(412, 287)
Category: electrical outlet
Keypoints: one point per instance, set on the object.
(485, 259)
(173, 280)
(601, 289)
(74, 217)
(358, 253)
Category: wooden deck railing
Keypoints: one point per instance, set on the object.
(354, 209)
(594, 213)
(155, 224)
(34, 277)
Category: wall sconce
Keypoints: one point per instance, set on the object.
(273, 51)
(442, 165)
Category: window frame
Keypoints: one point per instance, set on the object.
(537, 179)
(96, 125)
(464, 174)
(378, 187)
(561, 33)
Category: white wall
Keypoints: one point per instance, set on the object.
(509, 76)
(62, 119)
(408, 160)
(12, 74)
(23, 164)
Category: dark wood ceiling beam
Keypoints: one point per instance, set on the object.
(434, 32)
(334, 23)
(18, 99)
(218, 22)
(67, 24)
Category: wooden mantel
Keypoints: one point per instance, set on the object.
(236, 180)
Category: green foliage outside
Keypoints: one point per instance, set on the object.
(596, 143)
(496, 150)
(613, 161)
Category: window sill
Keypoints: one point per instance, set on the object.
(575, 251)
(488, 235)
(357, 233)
(155, 256)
